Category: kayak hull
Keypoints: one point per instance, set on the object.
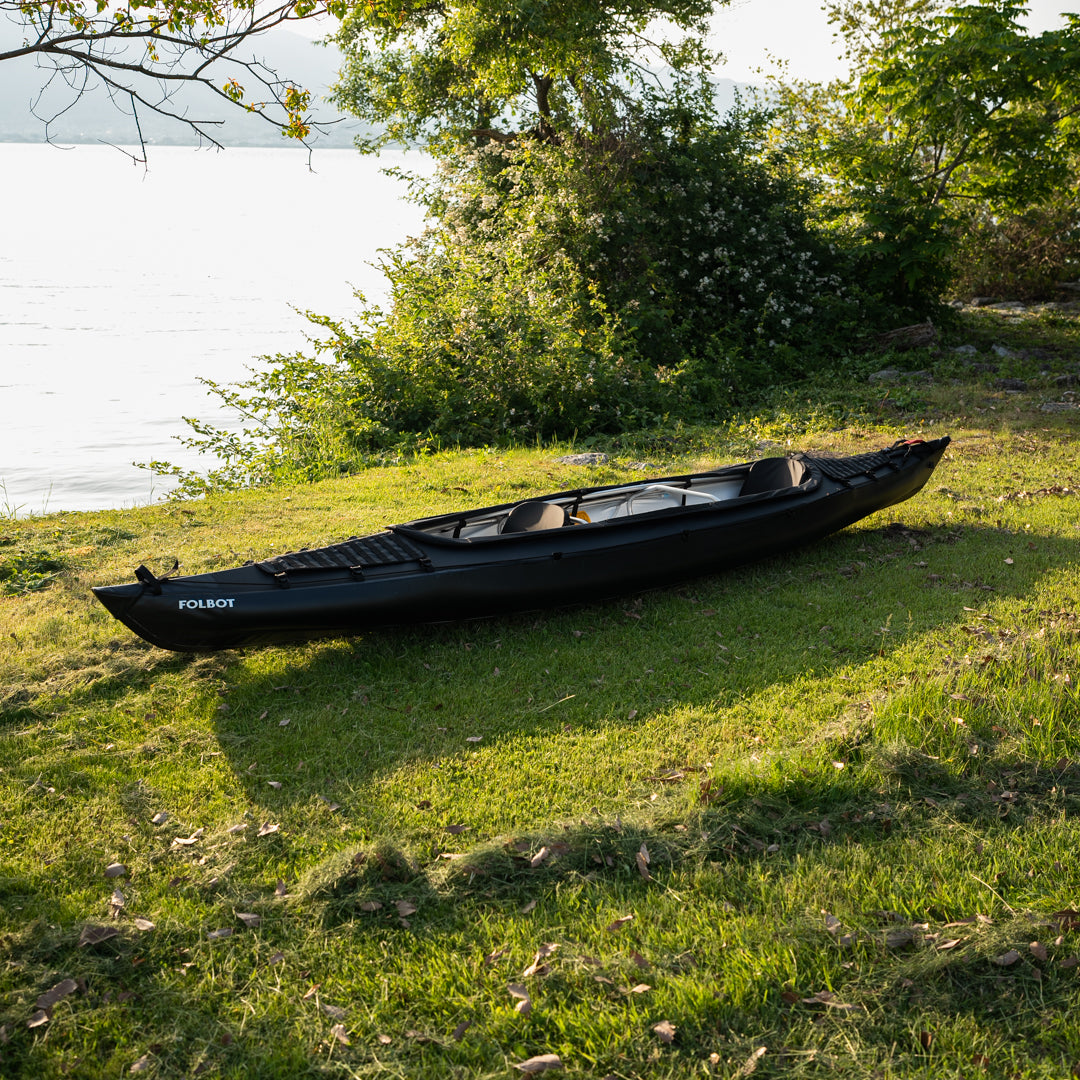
(423, 572)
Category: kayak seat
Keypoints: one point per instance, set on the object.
(773, 474)
(535, 517)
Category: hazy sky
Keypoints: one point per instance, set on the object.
(746, 31)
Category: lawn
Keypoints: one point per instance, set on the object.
(817, 815)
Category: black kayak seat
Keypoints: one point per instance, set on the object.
(534, 517)
(773, 474)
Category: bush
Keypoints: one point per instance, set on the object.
(584, 286)
(1019, 256)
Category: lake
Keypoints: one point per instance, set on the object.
(120, 287)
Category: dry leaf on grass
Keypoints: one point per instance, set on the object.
(187, 841)
(538, 967)
(899, 938)
(232, 830)
(335, 1012)
(827, 997)
(405, 908)
(248, 919)
(268, 828)
(338, 1032)
(370, 905)
(456, 830)
(459, 1032)
(641, 988)
(385, 1040)
(1038, 950)
(1005, 959)
(53, 995)
(160, 818)
(620, 922)
(495, 957)
(539, 857)
(94, 935)
(141, 1065)
(749, 1065)
(39, 1018)
(223, 932)
(665, 1030)
(524, 1001)
(530, 906)
(643, 859)
(115, 869)
(540, 1063)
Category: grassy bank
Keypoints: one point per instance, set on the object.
(817, 814)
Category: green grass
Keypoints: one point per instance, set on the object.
(855, 771)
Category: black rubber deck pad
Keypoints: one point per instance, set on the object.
(382, 549)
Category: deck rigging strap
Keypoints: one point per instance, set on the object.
(382, 549)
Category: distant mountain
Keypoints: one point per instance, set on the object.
(25, 102)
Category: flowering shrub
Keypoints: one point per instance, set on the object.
(574, 286)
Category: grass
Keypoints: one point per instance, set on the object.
(825, 806)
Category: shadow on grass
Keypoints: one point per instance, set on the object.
(363, 707)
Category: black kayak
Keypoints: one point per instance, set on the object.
(566, 548)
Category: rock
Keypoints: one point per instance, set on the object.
(1058, 406)
(889, 374)
(983, 301)
(1066, 380)
(1004, 352)
(1007, 305)
(965, 350)
(895, 375)
(908, 337)
(1015, 385)
(583, 459)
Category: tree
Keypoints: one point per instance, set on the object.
(948, 112)
(454, 73)
(144, 51)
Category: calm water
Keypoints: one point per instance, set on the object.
(119, 288)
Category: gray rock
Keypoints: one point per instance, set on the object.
(894, 375)
(1004, 352)
(1066, 380)
(983, 301)
(965, 350)
(1014, 385)
(1058, 406)
(889, 374)
(583, 459)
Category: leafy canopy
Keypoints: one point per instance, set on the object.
(949, 111)
(448, 74)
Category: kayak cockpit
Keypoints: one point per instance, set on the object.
(622, 502)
